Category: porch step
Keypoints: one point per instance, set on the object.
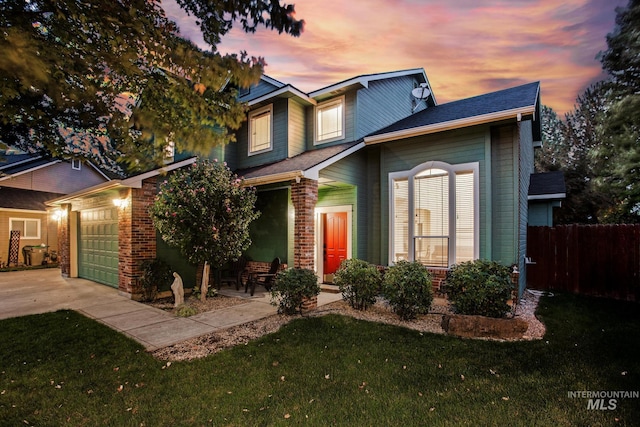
(331, 289)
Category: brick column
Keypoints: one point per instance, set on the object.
(304, 196)
(64, 240)
(136, 237)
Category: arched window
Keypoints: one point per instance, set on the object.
(434, 214)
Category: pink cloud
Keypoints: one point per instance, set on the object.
(465, 47)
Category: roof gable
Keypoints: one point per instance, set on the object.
(17, 198)
(363, 80)
(518, 101)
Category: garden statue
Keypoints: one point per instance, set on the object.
(178, 289)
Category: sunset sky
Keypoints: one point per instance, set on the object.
(467, 47)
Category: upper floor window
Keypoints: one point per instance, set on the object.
(169, 151)
(261, 130)
(330, 121)
(29, 228)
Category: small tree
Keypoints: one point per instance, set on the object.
(205, 212)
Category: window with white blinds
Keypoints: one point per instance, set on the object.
(330, 121)
(431, 217)
(441, 201)
(260, 132)
(401, 220)
(465, 214)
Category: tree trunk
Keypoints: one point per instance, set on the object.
(205, 282)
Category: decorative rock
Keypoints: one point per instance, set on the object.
(178, 289)
(484, 327)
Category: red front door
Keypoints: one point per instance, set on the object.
(335, 241)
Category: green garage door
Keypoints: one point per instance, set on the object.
(98, 246)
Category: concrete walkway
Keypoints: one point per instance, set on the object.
(40, 291)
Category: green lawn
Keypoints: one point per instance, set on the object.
(64, 369)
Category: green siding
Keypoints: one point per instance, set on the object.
(296, 128)
(178, 263)
(269, 233)
(453, 147)
(540, 214)
(504, 192)
(258, 90)
(352, 171)
(384, 102)
(526, 160)
(280, 136)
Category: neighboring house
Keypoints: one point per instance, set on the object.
(26, 183)
(546, 192)
(363, 169)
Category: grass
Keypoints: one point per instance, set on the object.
(64, 369)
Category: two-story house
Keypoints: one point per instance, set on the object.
(372, 168)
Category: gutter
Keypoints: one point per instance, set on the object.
(548, 196)
(272, 179)
(13, 175)
(133, 182)
(515, 113)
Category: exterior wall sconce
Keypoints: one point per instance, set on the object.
(121, 203)
(58, 214)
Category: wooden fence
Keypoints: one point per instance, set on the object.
(599, 260)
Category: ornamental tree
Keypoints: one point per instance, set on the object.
(205, 211)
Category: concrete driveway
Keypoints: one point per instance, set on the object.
(39, 291)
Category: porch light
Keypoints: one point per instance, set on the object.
(58, 214)
(121, 203)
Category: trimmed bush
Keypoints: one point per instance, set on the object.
(479, 288)
(196, 292)
(186, 311)
(156, 274)
(407, 287)
(291, 287)
(359, 283)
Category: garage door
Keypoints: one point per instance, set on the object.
(98, 246)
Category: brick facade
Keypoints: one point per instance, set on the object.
(136, 237)
(304, 195)
(438, 276)
(64, 248)
(136, 234)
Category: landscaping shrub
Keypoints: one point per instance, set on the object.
(211, 292)
(479, 288)
(186, 311)
(291, 287)
(359, 283)
(407, 287)
(156, 274)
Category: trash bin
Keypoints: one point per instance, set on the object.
(34, 255)
(38, 254)
(26, 254)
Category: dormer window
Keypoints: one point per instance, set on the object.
(261, 130)
(330, 121)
